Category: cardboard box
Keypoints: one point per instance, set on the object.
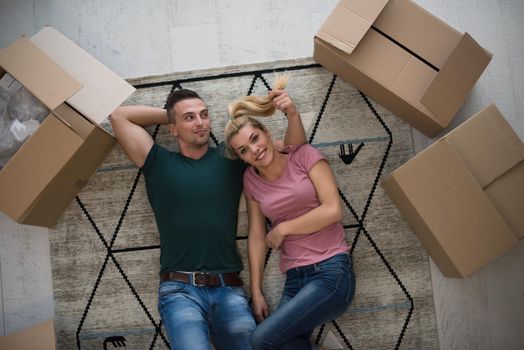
(44, 175)
(464, 195)
(403, 57)
(37, 337)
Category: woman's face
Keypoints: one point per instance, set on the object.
(253, 146)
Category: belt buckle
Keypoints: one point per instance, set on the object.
(193, 275)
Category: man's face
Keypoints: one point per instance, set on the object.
(192, 125)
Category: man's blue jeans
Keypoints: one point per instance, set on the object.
(196, 316)
(313, 295)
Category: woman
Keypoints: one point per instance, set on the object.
(297, 191)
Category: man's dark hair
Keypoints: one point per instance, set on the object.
(175, 97)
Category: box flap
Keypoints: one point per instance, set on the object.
(456, 78)
(77, 123)
(507, 194)
(418, 31)
(102, 92)
(348, 22)
(38, 73)
(487, 144)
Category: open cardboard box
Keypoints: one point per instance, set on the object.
(38, 337)
(44, 175)
(463, 196)
(403, 57)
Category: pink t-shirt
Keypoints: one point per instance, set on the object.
(290, 196)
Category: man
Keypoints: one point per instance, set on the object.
(195, 195)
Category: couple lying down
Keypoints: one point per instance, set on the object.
(194, 194)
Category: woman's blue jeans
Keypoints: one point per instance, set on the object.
(194, 317)
(313, 295)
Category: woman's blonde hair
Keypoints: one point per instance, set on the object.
(242, 112)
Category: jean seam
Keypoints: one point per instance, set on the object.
(352, 284)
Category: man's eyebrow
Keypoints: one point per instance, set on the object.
(191, 112)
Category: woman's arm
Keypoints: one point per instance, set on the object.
(257, 250)
(128, 124)
(328, 212)
(295, 134)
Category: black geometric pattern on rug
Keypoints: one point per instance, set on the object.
(346, 158)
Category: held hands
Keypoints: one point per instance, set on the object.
(275, 237)
(283, 102)
(259, 306)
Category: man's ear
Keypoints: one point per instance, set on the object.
(173, 130)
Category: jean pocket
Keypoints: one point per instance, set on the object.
(338, 262)
(239, 291)
(170, 287)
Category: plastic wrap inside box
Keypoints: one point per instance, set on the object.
(20, 115)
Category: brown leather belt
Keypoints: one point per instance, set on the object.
(203, 279)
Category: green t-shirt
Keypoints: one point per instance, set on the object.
(195, 203)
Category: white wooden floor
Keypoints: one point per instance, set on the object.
(137, 38)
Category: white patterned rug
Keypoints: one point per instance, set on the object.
(105, 255)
